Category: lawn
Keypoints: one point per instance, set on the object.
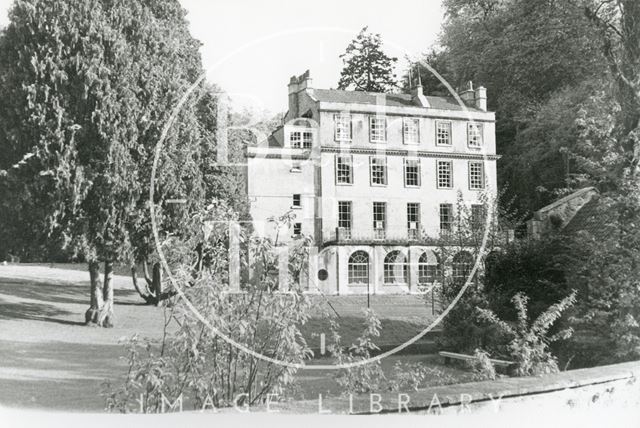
(50, 360)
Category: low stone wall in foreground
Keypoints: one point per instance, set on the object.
(615, 386)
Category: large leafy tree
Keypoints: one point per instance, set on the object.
(366, 66)
(526, 54)
(87, 87)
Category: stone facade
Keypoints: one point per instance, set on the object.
(321, 162)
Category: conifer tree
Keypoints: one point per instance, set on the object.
(366, 66)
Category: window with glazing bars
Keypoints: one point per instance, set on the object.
(475, 134)
(477, 216)
(411, 130)
(443, 133)
(378, 129)
(342, 127)
(378, 167)
(445, 175)
(344, 169)
(413, 220)
(379, 219)
(344, 215)
(476, 175)
(446, 217)
(412, 172)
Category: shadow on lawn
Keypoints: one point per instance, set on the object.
(58, 375)
(55, 292)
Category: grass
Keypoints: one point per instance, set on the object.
(50, 360)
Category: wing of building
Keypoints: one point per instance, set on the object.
(373, 178)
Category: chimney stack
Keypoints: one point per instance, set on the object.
(475, 98)
(297, 84)
(481, 98)
(417, 95)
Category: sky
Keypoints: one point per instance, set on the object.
(251, 48)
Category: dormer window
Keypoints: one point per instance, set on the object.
(377, 129)
(301, 139)
(411, 130)
(475, 132)
(342, 126)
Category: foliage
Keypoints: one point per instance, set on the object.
(366, 66)
(194, 359)
(460, 332)
(529, 341)
(607, 313)
(407, 376)
(541, 63)
(482, 366)
(362, 378)
(535, 268)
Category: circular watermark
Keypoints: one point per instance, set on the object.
(179, 289)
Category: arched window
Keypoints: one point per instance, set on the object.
(359, 268)
(396, 270)
(428, 268)
(461, 266)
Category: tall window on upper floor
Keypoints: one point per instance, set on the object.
(377, 129)
(379, 219)
(445, 174)
(476, 175)
(443, 133)
(378, 170)
(412, 172)
(413, 220)
(475, 132)
(446, 217)
(300, 139)
(342, 126)
(344, 215)
(344, 169)
(411, 130)
(478, 217)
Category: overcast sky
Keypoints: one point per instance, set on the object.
(252, 47)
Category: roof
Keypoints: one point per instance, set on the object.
(564, 200)
(591, 218)
(391, 100)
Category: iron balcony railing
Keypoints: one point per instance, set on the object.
(410, 236)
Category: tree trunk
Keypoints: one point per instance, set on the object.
(145, 294)
(157, 282)
(96, 303)
(106, 313)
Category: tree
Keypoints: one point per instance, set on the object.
(87, 87)
(607, 313)
(619, 27)
(366, 66)
(526, 53)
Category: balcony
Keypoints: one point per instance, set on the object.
(389, 236)
(407, 236)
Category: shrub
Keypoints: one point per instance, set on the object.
(529, 342)
(193, 360)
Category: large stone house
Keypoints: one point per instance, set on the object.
(371, 178)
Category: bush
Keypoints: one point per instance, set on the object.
(529, 342)
(193, 360)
